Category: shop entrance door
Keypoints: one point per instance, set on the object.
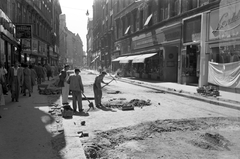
(192, 64)
(171, 69)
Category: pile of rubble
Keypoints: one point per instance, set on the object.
(208, 90)
(122, 104)
(48, 89)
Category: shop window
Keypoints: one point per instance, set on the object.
(225, 54)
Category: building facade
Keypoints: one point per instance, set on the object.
(44, 39)
(103, 33)
(162, 39)
(9, 45)
(90, 56)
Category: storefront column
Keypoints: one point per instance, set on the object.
(204, 58)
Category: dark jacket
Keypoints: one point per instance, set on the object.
(62, 78)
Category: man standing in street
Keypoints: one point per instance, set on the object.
(15, 78)
(97, 89)
(63, 77)
(76, 86)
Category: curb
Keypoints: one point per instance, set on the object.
(186, 94)
(216, 101)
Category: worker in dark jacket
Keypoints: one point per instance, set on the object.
(97, 89)
(76, 86)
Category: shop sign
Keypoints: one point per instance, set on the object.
(35, 46)
(26, 45)
(50, 51)
(225, 22)
(159, 35)
(23, 31)
(172, 35)
(142, 41)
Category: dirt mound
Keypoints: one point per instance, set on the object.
(185, 132)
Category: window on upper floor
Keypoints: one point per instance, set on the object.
(163, 9)
(118, 6)
(123, 25)
(189, 5)
(134, 22)
(141, 19)
(149, 20)
(174, 8)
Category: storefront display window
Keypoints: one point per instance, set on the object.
(225, 54)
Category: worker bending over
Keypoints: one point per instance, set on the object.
(97, 89)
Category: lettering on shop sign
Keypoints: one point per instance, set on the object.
(172, 35)
(229, 20)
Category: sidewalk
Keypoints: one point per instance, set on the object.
(28, 130)
(227, 99)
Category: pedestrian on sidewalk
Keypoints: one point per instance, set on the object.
(26, 80)
(39, 72)
(63, 77)
(3, 73)
(33, 77)
(97, 89)
(44, 75)
(49, 71)
(15, 78)
(76, 86)
(2, 82)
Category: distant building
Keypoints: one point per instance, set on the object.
(63, 40)
(74, 53)
(92, 61)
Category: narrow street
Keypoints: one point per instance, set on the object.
(28, 130)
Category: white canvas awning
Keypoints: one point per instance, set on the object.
(148, 20)
(126, 60)
(119, 58)
(141, 58)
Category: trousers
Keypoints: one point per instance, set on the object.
(97, 95)
(77, 100)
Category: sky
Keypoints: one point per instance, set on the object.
(76, 19)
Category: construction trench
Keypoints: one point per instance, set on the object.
(204, 137)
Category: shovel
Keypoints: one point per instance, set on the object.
(108, 83)
(90, 103)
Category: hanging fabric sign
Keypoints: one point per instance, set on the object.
(225, 75)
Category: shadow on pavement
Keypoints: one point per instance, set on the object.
(106, 109)
(28, 130)
(81, 114)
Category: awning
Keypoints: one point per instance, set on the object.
(141, 59)
(127, 30)
(148, 20)
(95, 59)
(119, 58)
(127, 59)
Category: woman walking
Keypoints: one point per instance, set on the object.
(33, 77)
(26, 80)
